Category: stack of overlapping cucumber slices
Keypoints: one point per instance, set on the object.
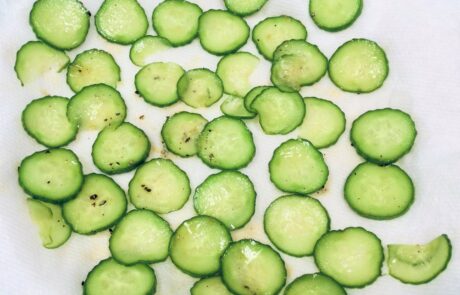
(64, 200)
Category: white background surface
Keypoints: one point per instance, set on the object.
(422, 41)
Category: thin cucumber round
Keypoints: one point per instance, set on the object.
(228, 196)
(52, 228)
(279, 112)
(359, 66)
(45, 119)
(353, 256)
(226, 143)
(92, 67)
(99, 205)
(295, 223)
(121, 21)
(120, 149)
(421, 263)
(63, 24)
(156, 83)
(210, 286)
(110, 277)
(379, 192)
(244, 7)
(143, 49)
(250, 267)
(271, 32)
(200, 88)
(180, 133)
(222, 32)
(96, 106)
(314, 284)
(140, 237)
(297, 63)
(51, 175)
(298, 167)
(323, 124)
(252, 95)
(35, 58)
(335, 15)
(383, 136)
(197, 244)
(233, 106)
(235, 71)
(176, 21)
(159, 185)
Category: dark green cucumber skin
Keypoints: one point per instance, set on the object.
(337, 29)
(151, 291)
(130, 167)
(306, 275)
(192, 274)
(381, 260)
(287, 252)
(66, 48)
(374, 160)
(245, 14)
(357, 92)
(357, 211)
(68, 198)
(434, 275)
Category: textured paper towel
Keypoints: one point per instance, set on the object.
(422, 41)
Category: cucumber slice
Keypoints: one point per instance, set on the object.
(51, 175)
(120, 149)
(121, 21)
(244, 7)
(359, 66)
(46, 121)
(63, 24)
(197, 244)
(226, 143)
(353, 256)
(233, 106)
(110, 278)
(99, 205)
(200, 88)
(250, 267)
(252, 95)
(159, 185)
(295, 223)
(228, 196)
(156, 83)
(52, 228)
(383, 136)
(279, 112)
(379, 192)
(314, 284)
(273, 31)
(92, 67)
(235, 71)
(222, 32)
(298, 167)
(176, 21)
(35, 58)
(141, 236)
(210, 286)
(180, 133)
(335, 15)
(96, 107)
(143, 49)
(323, 124)
(419, 264)
(291, 71)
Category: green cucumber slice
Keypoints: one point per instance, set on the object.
(99, 205)
(233, 106)
(210, 286)
(141, 236)
(143, 49)
(314, 284)
(298, 167)
(335, 15)
(235, 71)
(244, 7)
(200, 88)
(52, 228)
(197, 244)
(252, 95)
(45, 119)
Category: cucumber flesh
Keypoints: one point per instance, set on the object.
(252, 95)
(335, 15)
(210, 286)
(235, 71)
(200, 88)
(144, 48)
(314, 284)
(233, 106)
(244, 7)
